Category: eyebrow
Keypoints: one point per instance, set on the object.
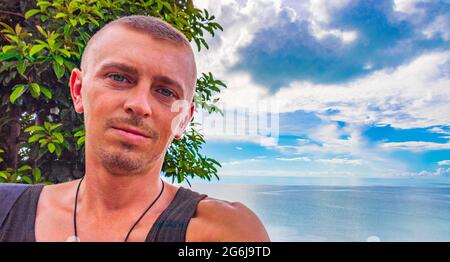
(171, 82)
(133, 71)
(122, 67)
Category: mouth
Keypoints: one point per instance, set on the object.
(132, 133)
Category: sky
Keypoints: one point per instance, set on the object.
(330, 88)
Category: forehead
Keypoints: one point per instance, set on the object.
(150, 56)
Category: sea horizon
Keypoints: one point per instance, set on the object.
(339, 209)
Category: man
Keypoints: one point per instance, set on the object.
(134, 72)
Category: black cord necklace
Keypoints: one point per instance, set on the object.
(76, 239)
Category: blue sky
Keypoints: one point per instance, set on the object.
(355, 88)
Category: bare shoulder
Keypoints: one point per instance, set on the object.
(57, 195)
(220, 220)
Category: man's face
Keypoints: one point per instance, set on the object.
(126, 92)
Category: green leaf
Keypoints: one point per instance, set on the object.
(18, 29)
(14, 178)
(22, 66)
(214, 88)
(47, 125)
(69, 65)
(79, 133)
(34, 128)
(36, 49)
(43, 4)
(13, 38)
(51, 147)
(37, 175)
(35, 137)
(59, 136)
(82, 20)
(17, 92)
(47, 93)
(94, 21)
(43, 142)
(58, 59)
(197, 42)
(58, 150)
(59, 15)
(7, 27)
(80, 141)
(170, 170)
(204, 43)
(53, 127)
(73, 22)
(31, 12)
(95, 11)
(58, 69)
(24, 168)
(167, 5)
(35, 90)
(27, 179)
(8, 48)
(67, 30)
(7, 56)
(42, 31)
(4, 174)
(85, 36)
(64, 52)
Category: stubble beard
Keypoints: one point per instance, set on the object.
(123, 162)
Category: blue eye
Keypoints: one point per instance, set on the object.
(117, 77)
(166, 92)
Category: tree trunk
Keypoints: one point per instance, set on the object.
(13, 137)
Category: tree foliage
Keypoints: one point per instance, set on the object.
(42, 137)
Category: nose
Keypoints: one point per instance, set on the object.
(138, 103)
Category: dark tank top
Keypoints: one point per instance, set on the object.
(170, 226)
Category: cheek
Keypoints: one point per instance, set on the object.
(164, 121)
(99, 107)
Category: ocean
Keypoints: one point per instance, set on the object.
(338, 209)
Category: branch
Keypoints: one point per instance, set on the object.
(11, 13)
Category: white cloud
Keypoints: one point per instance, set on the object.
(341, 161)
(320, 14)
(261, 140)
(444, 163)
(408, 6)
(345, 36)
(240, 23)
(414, 95)
(416, 146)
(389, 173)
(438, 130)
(260, 157)
(411, 96)
(437, 173)
(322, 10)
(292, 173)
(440, 26)
(239, 148)
(305, 159)
(239, 162)
(242, 91)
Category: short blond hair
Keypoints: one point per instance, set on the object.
(153, 26)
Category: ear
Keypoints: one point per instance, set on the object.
(185, 122)
(75, 90)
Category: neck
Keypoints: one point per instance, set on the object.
(105, 194)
